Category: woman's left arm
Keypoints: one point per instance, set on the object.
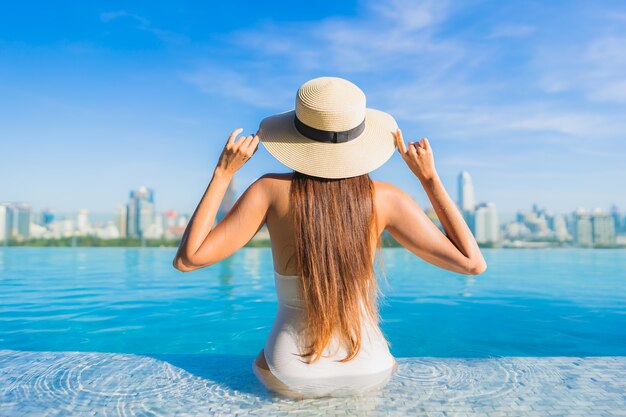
(201, 246)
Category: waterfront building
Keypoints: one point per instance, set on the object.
(582, 228)
(603, 228)
(6, 222)
(140, 212)
(487, 224)
(83, 225)
(466, 200)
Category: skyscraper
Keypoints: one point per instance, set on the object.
(21, 224)
(603, 228)
(487, 223)
(140, 212)
(6, 222)
(466, 199)
(47, 217)
(559, 225)
(121, 220)
(83, 225)
(617, 219)
(582, 228)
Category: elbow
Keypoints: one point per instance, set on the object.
(181, 266)
(185, 263)
(477, 268)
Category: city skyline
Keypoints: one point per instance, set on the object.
(234, 192)
(530, 99)
(113, 212)
(139, 219)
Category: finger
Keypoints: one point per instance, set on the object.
(253, 143)
(426, 143)
(400, 141)
(240, 142)
(256, 146)
(231, 138)
(245, 143)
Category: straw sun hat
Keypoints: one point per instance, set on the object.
(330, 133)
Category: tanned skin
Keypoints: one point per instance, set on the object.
(266, 201)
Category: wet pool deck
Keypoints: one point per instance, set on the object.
(101, 384)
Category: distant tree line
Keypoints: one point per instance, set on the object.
(387, 241)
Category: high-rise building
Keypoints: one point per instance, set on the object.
(21, 223)
(582, 228)
(617, 219)
(487, 224)
(536, 223)
(156, 229)
(559, 226)
(6, 222)
(172, 229)
(47, 217)
(63, 227)
(82, 222)
(140, 212)
(121, 220)
(603, 227)
(466, 199)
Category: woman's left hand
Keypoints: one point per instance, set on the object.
(237, 152)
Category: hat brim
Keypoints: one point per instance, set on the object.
(371, 149)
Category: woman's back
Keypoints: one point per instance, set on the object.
(370, 368)
(279, 221)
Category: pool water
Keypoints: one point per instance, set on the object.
(118, 331)
(535, 302)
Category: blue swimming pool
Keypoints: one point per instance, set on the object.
(563, 302)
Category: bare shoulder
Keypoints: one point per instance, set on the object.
(272, 181)
(388, 193)
(390, 201)
(272, 186)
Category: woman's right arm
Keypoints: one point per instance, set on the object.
(457, 250)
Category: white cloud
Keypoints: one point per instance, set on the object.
(412, 64)
(145, 25)
(234, 85)
(597, 70)
(410, 15)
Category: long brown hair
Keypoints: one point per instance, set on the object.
(333, 223)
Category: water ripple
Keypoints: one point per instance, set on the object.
(35, 383)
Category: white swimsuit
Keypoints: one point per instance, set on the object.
(370, 369)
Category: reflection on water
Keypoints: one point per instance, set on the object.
(131, 300)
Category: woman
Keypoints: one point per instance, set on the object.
(325, 220)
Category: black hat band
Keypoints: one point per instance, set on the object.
(328, 135)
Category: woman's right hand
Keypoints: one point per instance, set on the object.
(418, 156)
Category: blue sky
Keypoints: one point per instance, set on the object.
(97, 98)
